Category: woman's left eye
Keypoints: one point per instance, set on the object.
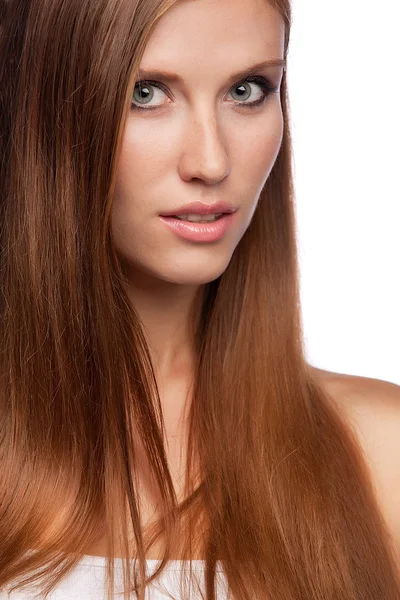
(243, 91)
(246, 90)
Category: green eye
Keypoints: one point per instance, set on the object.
(241, 94)
(144, 93)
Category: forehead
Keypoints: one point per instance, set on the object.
(212, 33)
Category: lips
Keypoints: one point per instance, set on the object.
(210, 232)
(201, 208)
(204, 217)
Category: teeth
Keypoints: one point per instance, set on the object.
(200, 218)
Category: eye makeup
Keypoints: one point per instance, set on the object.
(262, 82)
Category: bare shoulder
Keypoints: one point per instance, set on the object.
(372, 407)
(362, 396)
(372, 404)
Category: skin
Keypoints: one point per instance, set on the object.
(200, 144)
(371, 408)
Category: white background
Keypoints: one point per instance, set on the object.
(344, 89)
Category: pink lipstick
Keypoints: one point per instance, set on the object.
(187, 222)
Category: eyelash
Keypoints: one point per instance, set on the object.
(264, 84)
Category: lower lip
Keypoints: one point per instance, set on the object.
(200, 232)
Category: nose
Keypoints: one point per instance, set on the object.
(204, 156)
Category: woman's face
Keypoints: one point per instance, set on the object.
(197, 138)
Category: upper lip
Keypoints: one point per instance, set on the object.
(199, 208)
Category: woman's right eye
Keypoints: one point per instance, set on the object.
(144, 93)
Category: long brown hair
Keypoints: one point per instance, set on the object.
(282, 498)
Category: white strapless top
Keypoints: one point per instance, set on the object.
(87, 582)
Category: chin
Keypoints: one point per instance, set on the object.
(193, 273)
(180, 268)
(193, 278)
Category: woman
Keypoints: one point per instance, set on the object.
(156, 402)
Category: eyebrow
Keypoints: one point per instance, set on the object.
(175, 78)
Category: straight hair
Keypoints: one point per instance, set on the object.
(277, 490)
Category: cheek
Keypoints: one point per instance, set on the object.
(145, 155)
(256, 150)
(145, 148)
